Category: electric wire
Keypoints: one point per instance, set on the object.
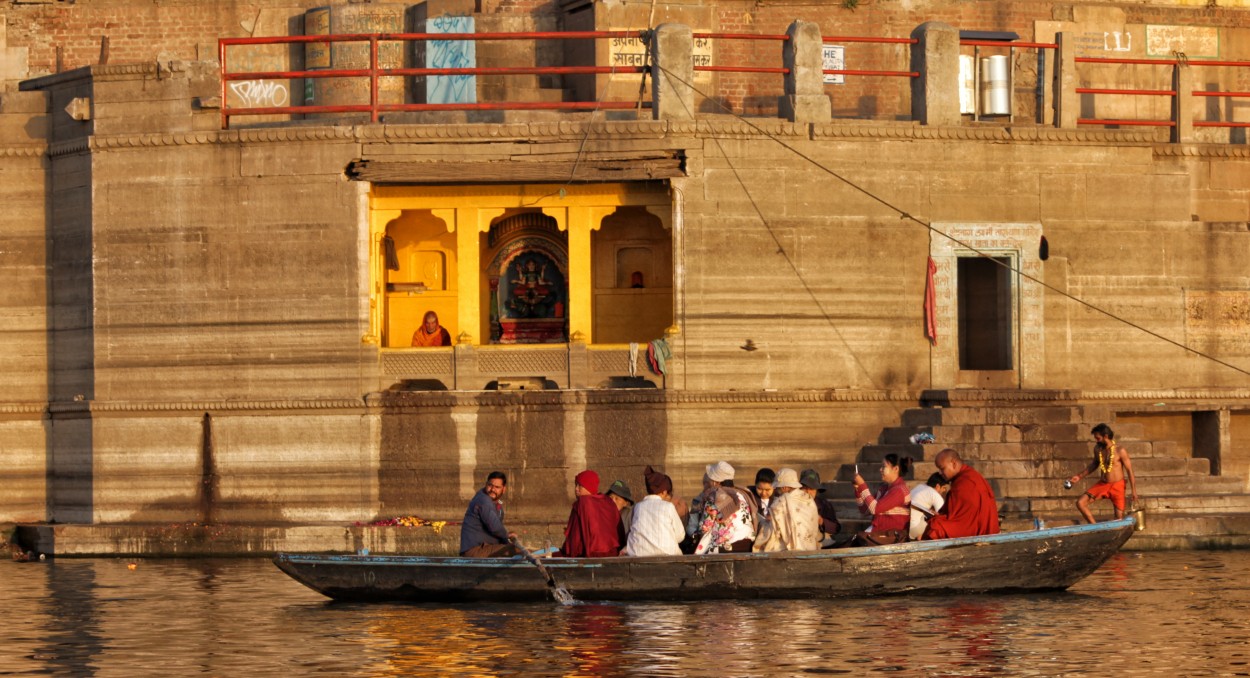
(905, 215)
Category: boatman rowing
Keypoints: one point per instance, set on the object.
(482, 534)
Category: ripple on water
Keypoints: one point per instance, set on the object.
(1171, 613)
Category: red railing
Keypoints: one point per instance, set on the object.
(786, 71)
(374, 72)
(1158, 92)
(778, 70)
(870, 40)
(374, 108)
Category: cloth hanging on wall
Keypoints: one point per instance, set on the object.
(657, 354)
(930, 304)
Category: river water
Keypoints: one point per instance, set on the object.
(1164, 613)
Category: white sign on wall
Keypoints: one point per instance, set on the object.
(834, 58)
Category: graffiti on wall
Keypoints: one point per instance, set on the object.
(261, 93)
(451, 89)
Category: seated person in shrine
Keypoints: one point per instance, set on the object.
(430, 333)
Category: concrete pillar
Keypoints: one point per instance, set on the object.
(672, 72)
(805, 99)
(935, 94)
(471, 223)
(579, 361)
(378, 220)
(1183, 103)
(580, 221)
(1067, 103)
(464, 368)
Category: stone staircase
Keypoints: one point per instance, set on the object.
(1027, 442)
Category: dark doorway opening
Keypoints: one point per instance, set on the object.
(985, 317)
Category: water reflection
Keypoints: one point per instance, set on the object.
(71, 640)
(1142, 613)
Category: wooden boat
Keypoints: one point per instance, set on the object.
(1037, 560)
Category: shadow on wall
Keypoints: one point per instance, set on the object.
(436, 449)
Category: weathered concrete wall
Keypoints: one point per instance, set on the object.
(829, 272)
(226, 268)
(196, 271)
(23, 303)
(437, 448)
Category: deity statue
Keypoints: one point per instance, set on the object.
(532, 295)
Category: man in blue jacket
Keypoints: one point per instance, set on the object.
(482, 534)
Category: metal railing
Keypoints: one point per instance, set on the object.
(374, 72)
(757, 64)
(870, 40)
(1174, 94)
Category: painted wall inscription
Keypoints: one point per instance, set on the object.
(632, 51)
(1192, 41)
(1218, 321)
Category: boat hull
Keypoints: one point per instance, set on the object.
(1040, 560)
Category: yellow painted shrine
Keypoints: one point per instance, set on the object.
(613, 244)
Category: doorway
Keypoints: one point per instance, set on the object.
(986, 320)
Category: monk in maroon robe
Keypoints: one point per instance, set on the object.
(594, 529)
(970, 509)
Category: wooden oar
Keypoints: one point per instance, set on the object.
(558, 592)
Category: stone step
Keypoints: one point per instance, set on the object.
(1146, 467)
(987, 397)
(1151, 471)
(952, 435)
(519, 92)
(1203, 504)
(1167, 487)
(1077, 431)
(956, 416)
(874, 454)
(1180, 531)
(1136, 449)
(1037, 451)
(1166, 532)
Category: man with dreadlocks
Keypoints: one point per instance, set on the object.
(1114, 465)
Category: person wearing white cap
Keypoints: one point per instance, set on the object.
(723, 518)
(795, 522)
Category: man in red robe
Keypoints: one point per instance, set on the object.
(594, 529)
(970, 509)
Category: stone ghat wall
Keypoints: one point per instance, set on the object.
(422, 454)
(192, 271)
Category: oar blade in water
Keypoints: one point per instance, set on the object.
(558, 592)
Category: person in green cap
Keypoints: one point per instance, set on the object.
(620, 494)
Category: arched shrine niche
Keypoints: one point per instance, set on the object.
(419, 260)
(633, 277)
(527, 280)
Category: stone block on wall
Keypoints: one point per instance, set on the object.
(23, 476)
(1230, 175)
